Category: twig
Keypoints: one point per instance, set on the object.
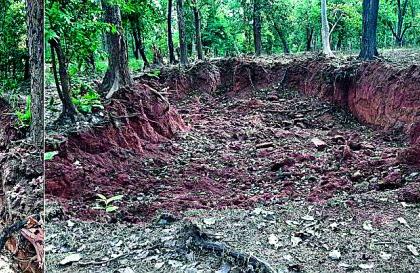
(105, 261)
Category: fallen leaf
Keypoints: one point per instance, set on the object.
(413, 250)
(308, 218)
(209, 221)
(159, 265)
(295, 240)
(402, 221)
(71, 259)
(366, 266)
(385, 256)
(367, 226)
(334, 255)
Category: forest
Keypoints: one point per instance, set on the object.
(162, 32)
(227, 136)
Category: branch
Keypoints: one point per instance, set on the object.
(392, 29)
(336, 23)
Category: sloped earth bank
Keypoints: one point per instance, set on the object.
(248, 142)
(21, 198)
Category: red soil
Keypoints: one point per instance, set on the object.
(217, 163)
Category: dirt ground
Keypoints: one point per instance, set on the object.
(372, 232)
(283, 177)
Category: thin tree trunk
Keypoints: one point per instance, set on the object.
(182, 32)
(197, 23)
(282, 37)
(63, 87)
(309, 34)
(118, 74)
(257, 27)
(35, 17)
(325, 30)
(370, 21)
(172, 59)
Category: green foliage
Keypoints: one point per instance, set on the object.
(107, 204)
(87, 99)
(13, 48)
(24, 118)
(50, 155)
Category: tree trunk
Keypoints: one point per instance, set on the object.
(257, 27)
(63, 82)
(138, 41)
(370, 21)
(399, 33)
(309, 34)
(197, 23)
(118, 74)
(182, 33)
(172, 59)
(282, 38)
(325, 30)
(35, 18)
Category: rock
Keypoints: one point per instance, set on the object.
(285, 162)
(410, 193)
(347, 152)
(356, 175)
(339, 139)
(272, 97)
(318, 143)
(393, 180)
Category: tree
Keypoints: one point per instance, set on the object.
(197, 25)
(172, 59)
(400, 28)
(257, 27)
(62, 81)
(370, 21)
(138, 40)
(182, 32)
(325, 30)
(35, 20)
(117, 74)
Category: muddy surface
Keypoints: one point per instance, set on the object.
(285, 135)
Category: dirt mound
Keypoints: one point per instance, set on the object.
(139, 120)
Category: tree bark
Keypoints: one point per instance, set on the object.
(172, 59)
(35, 17)
(182, 33)
(138, 41)
(197, 23)
(325, 30)
(118, 74)
(257, 27)
(309, 34)
(282, 37)
(370, 21)
(69, 111)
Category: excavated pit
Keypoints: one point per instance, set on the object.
(248, 141)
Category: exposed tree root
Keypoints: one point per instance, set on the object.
(196, 239)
